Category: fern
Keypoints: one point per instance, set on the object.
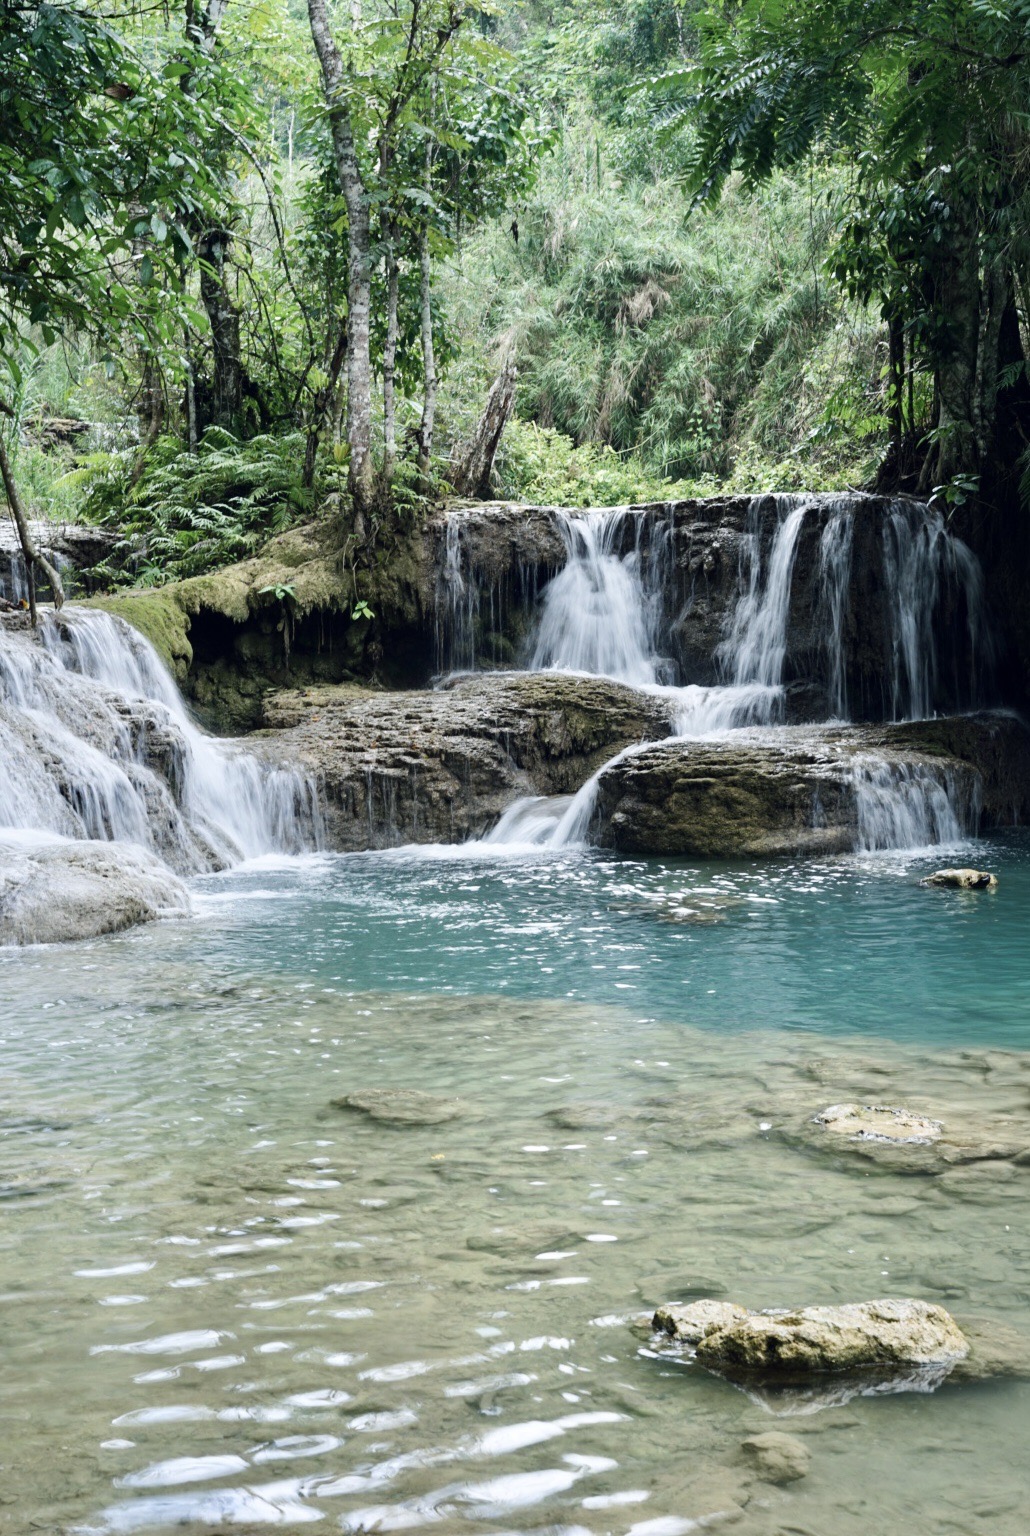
(191, 512)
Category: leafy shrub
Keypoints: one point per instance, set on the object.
(191, 512)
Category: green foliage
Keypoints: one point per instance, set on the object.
(539, 464)
(928, 100)
(690, 344)
(191, 512)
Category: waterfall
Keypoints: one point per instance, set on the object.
(905, 805)
(835, 547)
(756, 647)
(602, 615)
(96, 742)
(598, 616)
(923, 563)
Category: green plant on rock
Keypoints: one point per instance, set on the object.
(192, 512)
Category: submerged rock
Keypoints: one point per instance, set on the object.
(789, 1347)
(962, 879)
(402, 1106)
(59, 892)
(879, 1122)
(907, 1141)
(777, 1458)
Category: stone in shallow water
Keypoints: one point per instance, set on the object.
(402, 1106)
(879, 1122)
(884, 1336)
(911, 1142)
(777, 1458)
(58, 892)
(962, 879)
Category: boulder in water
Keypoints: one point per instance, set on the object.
(776, 1457)
(879, 1122)
(962, 879)
(57, 892)
(883, 1337)
(402, 1106)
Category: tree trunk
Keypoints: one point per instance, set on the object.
(472, 477)
(427, 425)
(31, 554)
(957, 298)
(390, 361)
(223, 317)
(359, 273)
(324, 404)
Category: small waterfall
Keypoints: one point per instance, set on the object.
(923, 564)
(602, 615)
(598, 615)
(906, 805)
(96, 742)
(835, 547)
(756, 647)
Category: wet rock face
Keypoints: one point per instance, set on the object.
(442, 766)
(790, 1347)
(492, 561)
(57, 893)
(811, 792)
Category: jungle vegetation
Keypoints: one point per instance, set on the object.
(263, 260)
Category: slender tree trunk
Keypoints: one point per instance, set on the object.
(359, 271)
(223, 318)
(31, 554)
(427, 425)
(472, 476)
(896, 380)
(324, 404)
(957, 297)
(390, 360)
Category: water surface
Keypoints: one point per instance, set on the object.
(228, 1302)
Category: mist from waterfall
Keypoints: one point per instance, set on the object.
(96, 742)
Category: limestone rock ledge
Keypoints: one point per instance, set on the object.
(59, 892)
(804, 790)
(443, 765)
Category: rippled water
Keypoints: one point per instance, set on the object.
(228, 1302)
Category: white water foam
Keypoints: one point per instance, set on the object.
(96, 742)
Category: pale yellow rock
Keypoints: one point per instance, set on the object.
(962, 879)
(886, 1335)
(879, 1122)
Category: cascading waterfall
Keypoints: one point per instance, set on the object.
(96, 742)
(902, 805)
(835, 549)
(922, 560)
(600, 616)
(597, 614)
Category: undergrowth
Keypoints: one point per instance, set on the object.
(191, 512)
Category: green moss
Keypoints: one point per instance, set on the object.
(160, 618)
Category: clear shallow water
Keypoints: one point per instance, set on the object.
(226, 1302)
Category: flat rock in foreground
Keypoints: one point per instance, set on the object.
(56, 893)
(402, 1106)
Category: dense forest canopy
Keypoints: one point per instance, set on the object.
(283, 257)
